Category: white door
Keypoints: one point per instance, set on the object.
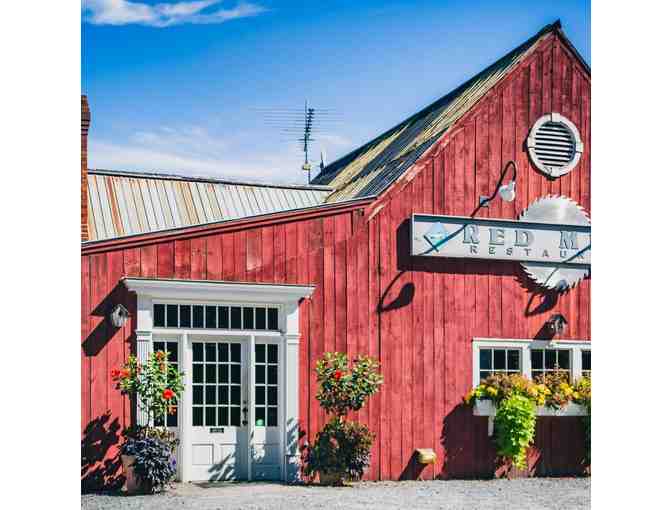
(219, 406)
(267, 413)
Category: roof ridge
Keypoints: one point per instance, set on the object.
(204, 178)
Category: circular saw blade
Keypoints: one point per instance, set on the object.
(562, 210)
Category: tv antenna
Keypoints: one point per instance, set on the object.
(305, 125)
(309, 115)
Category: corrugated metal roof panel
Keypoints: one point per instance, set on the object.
(370, 169)
(126, 203)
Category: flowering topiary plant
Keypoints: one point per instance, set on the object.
(157, 384)
(344, 388)
(499, 387)
(342, 449)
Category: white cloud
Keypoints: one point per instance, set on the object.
(194, 150)
(123, 12)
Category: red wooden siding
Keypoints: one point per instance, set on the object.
(417, 316)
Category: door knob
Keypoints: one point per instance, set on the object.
(245, 415)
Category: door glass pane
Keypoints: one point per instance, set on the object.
(210, 373)
(210, 420)
(222, 416)
(198, 351)
(171, 347)
(260, 353)
(272, 353)
(198, 374)
(235, 353)
(272, 374)
(197, 394)
(235, 416)
(210, 352)
(197, 417)
(235, 374)
(272, 418)
(210, 395)
(223, 373)
(259, 395)
(265, 385)
(171, 419)
(235, 395)
(260, 416)
(272, 395)
(223, 351)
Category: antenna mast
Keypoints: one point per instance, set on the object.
(309, 113)
(307, 123)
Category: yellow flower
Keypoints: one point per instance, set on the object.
(491, 391)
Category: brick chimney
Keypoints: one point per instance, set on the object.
(86, 121)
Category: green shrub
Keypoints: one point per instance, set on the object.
(514, 428)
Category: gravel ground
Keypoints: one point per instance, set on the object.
(520, 494)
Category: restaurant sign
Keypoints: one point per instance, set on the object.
(551, 239)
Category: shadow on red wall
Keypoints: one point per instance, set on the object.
(101, 466)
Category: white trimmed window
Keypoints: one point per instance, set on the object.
(531, 358)
(215, 316)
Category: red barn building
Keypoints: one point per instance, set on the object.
(249, 284)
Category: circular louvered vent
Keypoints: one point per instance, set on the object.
(554, 145)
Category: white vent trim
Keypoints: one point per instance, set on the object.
(554, 150)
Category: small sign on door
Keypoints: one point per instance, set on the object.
(216, 430)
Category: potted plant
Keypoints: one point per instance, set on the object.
(342, 449)
(157, 386)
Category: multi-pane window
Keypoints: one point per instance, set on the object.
(216, 384)
(215, 317)
(548, 360)
(500, 361)
(266, 385)
(585, 363)
(170, 418)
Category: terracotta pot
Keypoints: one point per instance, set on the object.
(132, 484)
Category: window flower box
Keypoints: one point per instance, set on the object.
(487, 408)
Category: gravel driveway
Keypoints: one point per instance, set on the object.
(520, 494)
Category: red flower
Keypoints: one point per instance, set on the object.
(172, 410)
(125, 372)
(338, 374)
(115, 373)
(160, 355)
(168, 394)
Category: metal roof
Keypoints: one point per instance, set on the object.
(373, 167)
(127, 203)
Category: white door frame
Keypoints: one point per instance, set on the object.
(285, 297)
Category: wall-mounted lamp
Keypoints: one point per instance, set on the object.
(556, 324)
(506, 191)
(118, 316)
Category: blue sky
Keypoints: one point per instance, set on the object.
(176, 86)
